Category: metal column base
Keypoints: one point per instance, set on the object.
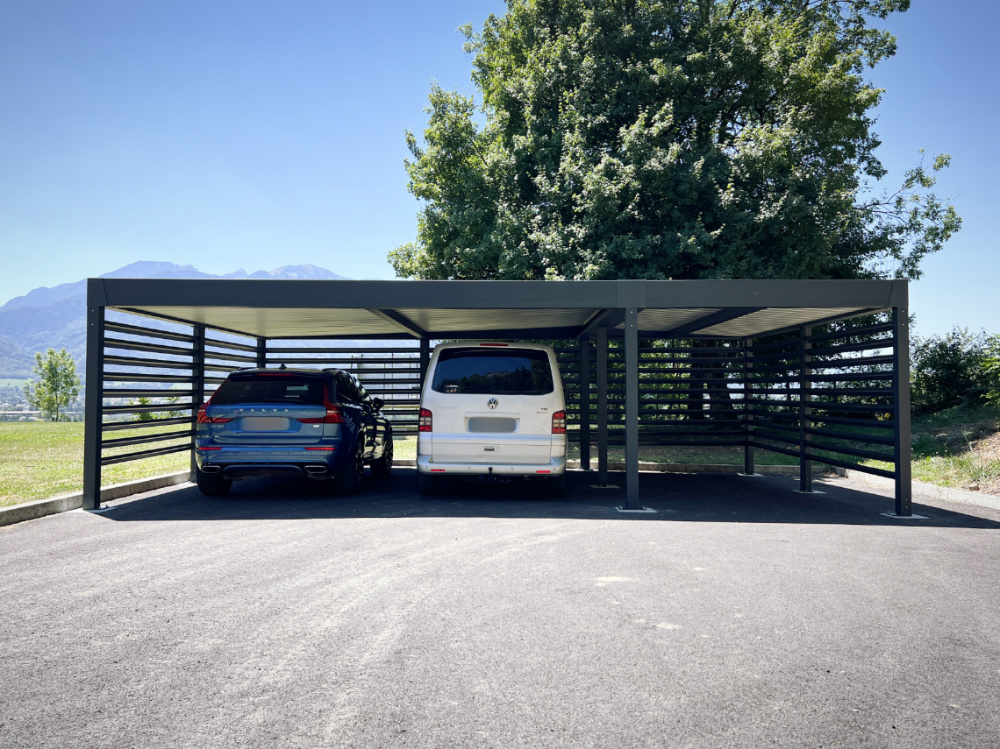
(641, 510)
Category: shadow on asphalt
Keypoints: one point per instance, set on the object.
(676, 497)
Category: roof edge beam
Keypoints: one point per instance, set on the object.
(400, 321)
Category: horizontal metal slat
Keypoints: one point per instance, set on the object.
(115, 426)
(120, 327)
(848, 421)
(869, 330)
(146, 377)
(155, 348)
(854, 452)
(129, 457)
(231, 345)
(226, 357)
(148, 409)
(125, 441)
(130, 361)
(140, 393)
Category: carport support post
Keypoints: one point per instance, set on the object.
(93, 411)
(632, 409)
(261, 353)
(198, 385)
(585, 404)
(425, 359)
(902, 448)
(602, 406)
(748, 456)
(805, 464)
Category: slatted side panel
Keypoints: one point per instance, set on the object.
(691, 393)
(148, 391)
(225, 353)
(826, 396)
(391, 373)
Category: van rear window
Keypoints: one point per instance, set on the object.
(268, 388)
(478, 370)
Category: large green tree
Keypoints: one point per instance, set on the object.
(58, 384)
(669, 139)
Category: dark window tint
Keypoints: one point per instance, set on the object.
(268, 388)
(347, 389)
(482, 370)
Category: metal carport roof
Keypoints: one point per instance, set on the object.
(470, 309)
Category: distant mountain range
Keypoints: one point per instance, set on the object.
(56, 317)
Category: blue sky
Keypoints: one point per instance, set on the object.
(256, 134)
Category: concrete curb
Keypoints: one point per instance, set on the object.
(65, 502)
(926, 490)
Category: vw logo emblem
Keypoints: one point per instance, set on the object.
(492, 403)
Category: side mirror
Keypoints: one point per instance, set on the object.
(378, 403)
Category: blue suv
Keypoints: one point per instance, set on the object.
(264, 422)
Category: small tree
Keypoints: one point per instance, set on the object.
(991, 369)
(58, 384)
(143, 415)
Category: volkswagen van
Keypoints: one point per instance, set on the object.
(494, 411)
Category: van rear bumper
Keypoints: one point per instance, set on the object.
(554, 467)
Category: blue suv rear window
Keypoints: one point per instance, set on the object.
(479, 370)
(268, 388)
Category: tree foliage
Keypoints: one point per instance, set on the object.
(58, 384)
(680, 139)
(956, 369)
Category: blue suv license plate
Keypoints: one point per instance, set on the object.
(264, 424)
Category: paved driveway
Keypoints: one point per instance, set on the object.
(741, 614)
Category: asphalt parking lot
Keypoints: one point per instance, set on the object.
(740, 614)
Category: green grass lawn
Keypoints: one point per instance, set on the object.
(959, 448)
(40, 460)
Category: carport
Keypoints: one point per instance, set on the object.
(816, 370)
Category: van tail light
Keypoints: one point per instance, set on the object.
(204, 418)
(426, 421)
(559, 422)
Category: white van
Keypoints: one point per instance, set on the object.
(494, 410)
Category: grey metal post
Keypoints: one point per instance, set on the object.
(632, 409)
(902, 448)
(425, 359)
(585, 404)
(93, 410)
(748, 457)
(261, 353)
(805, 411)
(198, 385)
(602, 406)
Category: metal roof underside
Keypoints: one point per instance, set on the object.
(496, 309)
